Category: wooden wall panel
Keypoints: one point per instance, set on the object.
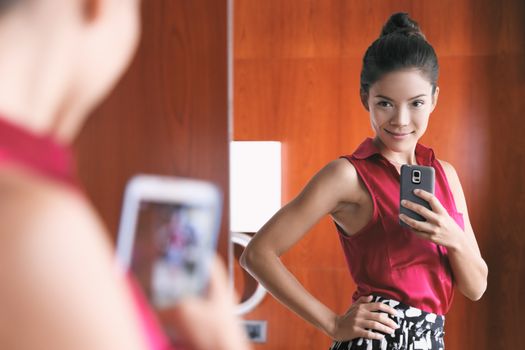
(169, 114)
(296, 80)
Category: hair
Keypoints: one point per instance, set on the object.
(401, 45)
(4, 4)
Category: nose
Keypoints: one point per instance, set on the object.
(401, 117)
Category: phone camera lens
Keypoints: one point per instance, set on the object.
(416, 176)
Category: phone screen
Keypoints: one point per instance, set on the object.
(173, 246)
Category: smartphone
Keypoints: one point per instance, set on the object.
(167, 235)
(412, 177)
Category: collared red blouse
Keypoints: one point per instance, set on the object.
(387, 259)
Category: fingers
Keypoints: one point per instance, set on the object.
(378, 326)
(376, 318)
(369, 326)
(388, 325)
(366, 319)
(381, 307)
(421, 210)
(435, 204)
(374, 307)
(364, 299)
(422, 226)
(368, 334)
(425, 235)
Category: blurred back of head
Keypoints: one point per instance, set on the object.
(61, 57)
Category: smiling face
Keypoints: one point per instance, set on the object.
(400, 104)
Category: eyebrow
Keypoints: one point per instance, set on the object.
(388, 98)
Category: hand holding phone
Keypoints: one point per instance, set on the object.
(415, 177)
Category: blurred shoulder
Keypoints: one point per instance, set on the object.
(56, 257)
(33, 204)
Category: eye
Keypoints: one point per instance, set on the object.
(418, 103)
(384, 104)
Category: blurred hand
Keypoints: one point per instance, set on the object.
(361, 319)
(208, 323)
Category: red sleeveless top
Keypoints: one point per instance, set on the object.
(43, 155)
(387, 259)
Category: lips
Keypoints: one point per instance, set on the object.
(398, 133)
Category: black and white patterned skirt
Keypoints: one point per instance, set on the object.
(418, 330)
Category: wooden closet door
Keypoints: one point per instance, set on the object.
(169, 114)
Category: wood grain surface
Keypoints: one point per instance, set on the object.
(169, 113)
(296, 80)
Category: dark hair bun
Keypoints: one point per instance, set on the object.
(402, 24)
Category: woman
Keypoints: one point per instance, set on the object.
(404, 277)
(58, 59)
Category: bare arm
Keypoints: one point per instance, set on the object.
(470, 270)
(335, 185)
(60, 289)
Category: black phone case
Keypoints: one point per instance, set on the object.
(408, 185)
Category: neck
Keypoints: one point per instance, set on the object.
(34, 71)
(399, 158)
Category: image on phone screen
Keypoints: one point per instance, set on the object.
(172, 249)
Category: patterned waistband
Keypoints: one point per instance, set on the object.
(414, 319)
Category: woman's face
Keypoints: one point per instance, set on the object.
(400, 104)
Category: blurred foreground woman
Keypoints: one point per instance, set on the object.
(60, 289)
